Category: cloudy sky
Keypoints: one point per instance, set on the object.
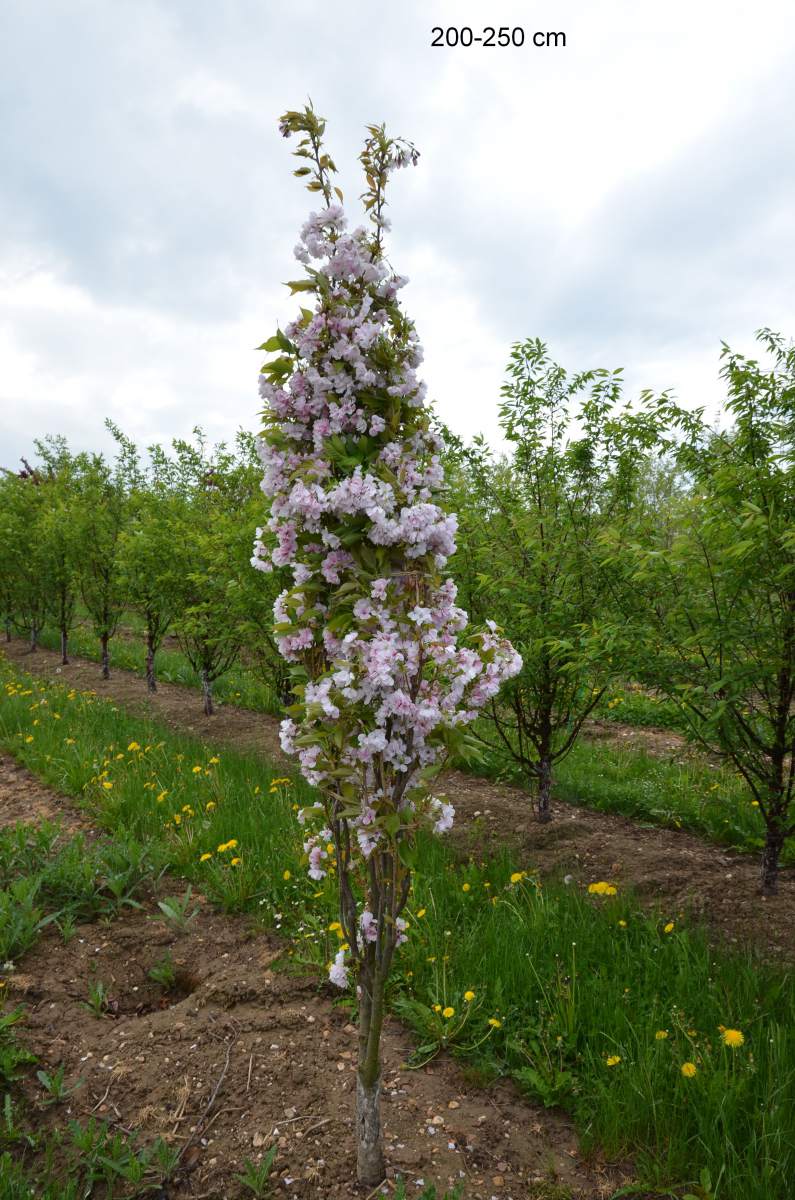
(627, 198)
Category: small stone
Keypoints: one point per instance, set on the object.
(453, 1104)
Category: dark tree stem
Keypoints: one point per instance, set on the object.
(151, 682)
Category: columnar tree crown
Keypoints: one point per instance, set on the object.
(386, 674)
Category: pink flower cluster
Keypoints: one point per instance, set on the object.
(352, 468)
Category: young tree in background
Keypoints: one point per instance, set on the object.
(63, 471)
(718, 585)
(214, 548)
(150, 563)
(530, 549)
(384, 678)
(102, 510)
(23, 510)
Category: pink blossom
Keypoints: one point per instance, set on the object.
(338, 971)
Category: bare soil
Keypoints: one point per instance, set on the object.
(279, 1052)
(674, 871)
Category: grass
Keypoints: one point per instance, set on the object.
(238, 685)
(688, 793)
(571, 993)
(632, 704)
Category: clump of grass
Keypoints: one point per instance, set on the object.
(164, 973)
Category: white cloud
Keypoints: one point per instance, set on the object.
(628, 198)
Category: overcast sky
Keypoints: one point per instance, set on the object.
(628, 198)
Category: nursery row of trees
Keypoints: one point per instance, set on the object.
(614, 542)
(169, 540)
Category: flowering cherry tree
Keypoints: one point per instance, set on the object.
(384, 671)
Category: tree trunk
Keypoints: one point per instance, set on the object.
(207, 692)
(64, 640)
(8, 631)
(370, 1169)
(774, 843)
(34, 638)
(105, 656)
(543, 810)
(150, 663)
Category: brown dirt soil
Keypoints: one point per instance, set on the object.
(284, 1056)
(674, 871)
(24, 798)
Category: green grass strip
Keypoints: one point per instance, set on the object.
(239, 685)
(690, 793)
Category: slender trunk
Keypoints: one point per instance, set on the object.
(207, 692)
(64, 641)
(370, 1169)
(150, 663)
(774, 844)
(105, 656)
(34, 637)
(8, 631)
(544, 810)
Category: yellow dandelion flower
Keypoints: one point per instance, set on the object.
(106, 783)
(70, 741)
(204, 857)
(196, 770)
(236, 862)
(161, 797)
(669, 928)
(214, 760)
(688, 1069)
(622, 924)
(334, 927)
(469, 996)
(466, 887)
(602, 888)
(613, 1060)
(437, 1008)
(177, 818)
(133, 746)
(29, 738)
(210, 805)
(517, 876)
(495, 1023)
(448, 1012)
(661, 1035)
(733, 1038)
(421, 913)
(286, 875)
